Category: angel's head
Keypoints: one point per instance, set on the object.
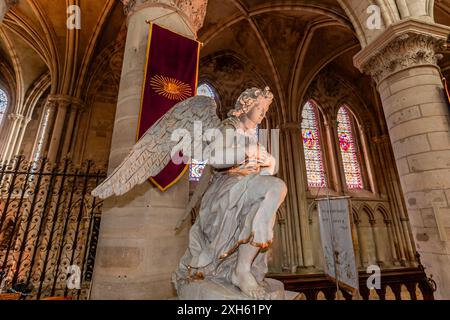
(253, 104)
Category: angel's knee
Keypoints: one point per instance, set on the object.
(278, 187)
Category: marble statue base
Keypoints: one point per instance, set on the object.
(218, 290)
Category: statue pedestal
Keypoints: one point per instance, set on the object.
(218, 290)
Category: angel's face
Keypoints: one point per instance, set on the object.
(258, 111)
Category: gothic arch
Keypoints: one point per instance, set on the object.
(392, 11)
(235, 69)
(39, 87)
(365, 209)
(383, 211)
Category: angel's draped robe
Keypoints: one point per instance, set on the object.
(227, 219)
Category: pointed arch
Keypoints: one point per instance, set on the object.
(365, 209)
(205, 88)
(383, 211)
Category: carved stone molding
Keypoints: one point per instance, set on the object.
(60, 101)
(408, 44)
(408, 50)
(194, 11)
(128, 5)
(15, 117)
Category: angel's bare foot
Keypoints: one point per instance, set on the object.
(245, 281)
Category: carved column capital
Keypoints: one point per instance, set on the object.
(407, 44)
(193, 11)
(59, 101)
(380, 139)
(78, 104)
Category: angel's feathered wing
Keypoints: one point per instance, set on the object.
(151, 154)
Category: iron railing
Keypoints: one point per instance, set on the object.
(49, 225)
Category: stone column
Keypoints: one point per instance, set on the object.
(43, 136)
(419, 9)
(294, 185)
(12, 135)
(75, 107)
(403, 62)
(138, 249)
(364, 133)
(301, 186)
(59, 127)
(362, 245)
(334, 180)
(391, 242)
(377, 241)
(21, 134)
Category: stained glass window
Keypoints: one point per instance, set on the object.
(311, 146)
(3, 104)
(196, 167)
(206, 90)
(196, 170)
(349, 150)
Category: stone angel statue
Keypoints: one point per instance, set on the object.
(234, 228)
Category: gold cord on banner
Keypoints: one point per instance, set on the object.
(445, 84)
(150, 21)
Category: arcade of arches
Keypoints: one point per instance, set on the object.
(361, 113)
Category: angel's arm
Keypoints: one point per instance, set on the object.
(226, 150)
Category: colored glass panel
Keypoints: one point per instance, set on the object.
(349, 151)
(3, 104)
(311, 146)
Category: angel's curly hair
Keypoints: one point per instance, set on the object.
(248, 98)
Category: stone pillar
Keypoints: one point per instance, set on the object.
(397, 208)
(418, 9)
(138, 249)
(362, 245)
(377, 241)
(21, 134)
(403, 61)
(59, 128)
(75, 107)
(332, 165)
(12, 136)
(301, 186)
(291, 242)
(364, 133)
(45, 126)
(297, 209)
(391, 242)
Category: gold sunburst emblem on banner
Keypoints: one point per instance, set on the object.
(171, 88)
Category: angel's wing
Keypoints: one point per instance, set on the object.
(151, 154)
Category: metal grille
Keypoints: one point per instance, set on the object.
(49, 226)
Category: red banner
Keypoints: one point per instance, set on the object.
(171, 76)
